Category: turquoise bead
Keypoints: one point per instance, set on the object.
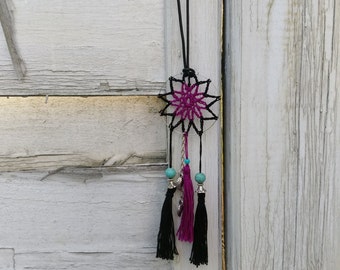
(170, 173)
(187, 161)
(200, 178)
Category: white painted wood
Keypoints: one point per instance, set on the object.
(283, 136)
(73, 131)
(56, 217)
(7, 259)
(81, 219)
(205, 58)
(86, 48)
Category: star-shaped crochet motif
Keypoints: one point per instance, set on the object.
(189, 104)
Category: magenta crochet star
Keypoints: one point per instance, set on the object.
(189, 104)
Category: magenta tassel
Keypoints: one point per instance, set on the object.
(186, 229)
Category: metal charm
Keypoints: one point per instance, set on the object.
(180, 207)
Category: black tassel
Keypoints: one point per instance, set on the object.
(166, 245)
(199, 252)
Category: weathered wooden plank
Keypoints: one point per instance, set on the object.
(283, 64)
(316, 113)
(135, 260)
(62, 131)
(86, 48)
(81, 218)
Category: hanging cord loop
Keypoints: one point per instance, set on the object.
(187, 71)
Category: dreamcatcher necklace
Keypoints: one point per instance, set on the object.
(188, 106)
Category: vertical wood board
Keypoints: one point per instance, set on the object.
(283, 60)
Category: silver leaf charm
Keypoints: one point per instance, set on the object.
(180, 207)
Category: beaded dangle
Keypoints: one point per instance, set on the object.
(188, 107)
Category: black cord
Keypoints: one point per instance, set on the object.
(200, 162)
(185, 49)
(200, 134)
(170, 147)
(188, 32)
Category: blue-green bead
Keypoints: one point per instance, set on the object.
(200, 178)
(186, 161)
(170, 173)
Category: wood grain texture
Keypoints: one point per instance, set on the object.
(56, 217)
(86, 48)
(81, 219)
(205, 58)
(283, 68)
(40, 133)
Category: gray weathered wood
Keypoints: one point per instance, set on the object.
(49, 134)
(7, 24)
(40, 133)
(283, 135)
(86, 48)
(81, 219)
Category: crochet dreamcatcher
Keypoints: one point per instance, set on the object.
(188, 107)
